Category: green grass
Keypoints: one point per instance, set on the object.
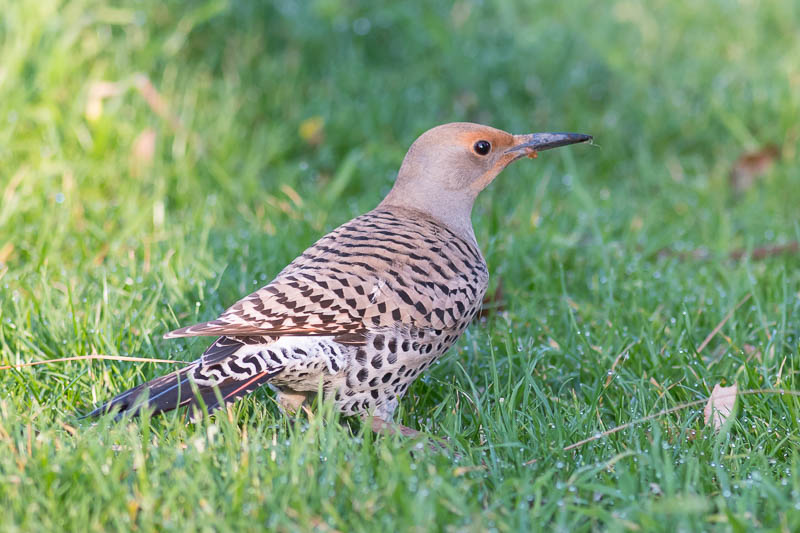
(105, 248)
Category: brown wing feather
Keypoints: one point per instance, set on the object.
(286, 306)
(371, 272)
(215, 328)
(218, 328)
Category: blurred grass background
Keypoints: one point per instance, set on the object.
(158, 160)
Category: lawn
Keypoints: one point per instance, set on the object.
(159, 160)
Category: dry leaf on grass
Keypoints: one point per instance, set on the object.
(751, 166)
(143, 151)
(763, 252)
(720, 405)
(158, 104)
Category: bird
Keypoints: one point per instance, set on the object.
(362, 312)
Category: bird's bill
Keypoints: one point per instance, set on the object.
(536, 142)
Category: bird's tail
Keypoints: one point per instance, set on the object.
(177, 389)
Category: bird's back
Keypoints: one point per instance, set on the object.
(390, 267)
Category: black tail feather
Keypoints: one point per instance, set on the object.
(176, 390)
(163, 393)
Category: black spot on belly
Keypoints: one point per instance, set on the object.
(392, 344)
(386, 377)
(374, 393)
(377, 361)
(391, 358)
(362, 375)
(377, 342)
(361, 356)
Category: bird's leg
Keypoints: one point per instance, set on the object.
(379, 425)
(291, 401)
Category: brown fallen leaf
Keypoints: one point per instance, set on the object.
(158, 104)
(720, 405)
(762, 252)
(751, 166)
(142, 151)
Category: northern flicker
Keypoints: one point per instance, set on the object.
(367, 308)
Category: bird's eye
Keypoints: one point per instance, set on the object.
(482, 147)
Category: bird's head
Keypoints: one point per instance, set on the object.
(447, 166)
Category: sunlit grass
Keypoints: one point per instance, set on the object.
(159, 161)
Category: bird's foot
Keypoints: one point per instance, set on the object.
(381, 426)
(291, 401)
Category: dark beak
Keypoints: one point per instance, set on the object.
(536, 142)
